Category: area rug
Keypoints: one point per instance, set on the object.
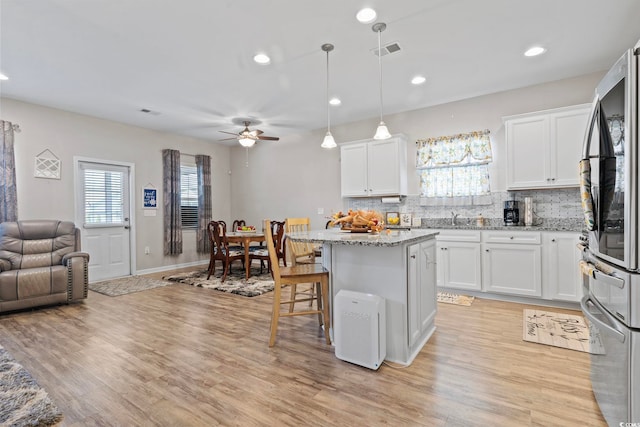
(455, 299)
(235, 283)
(559, 330)
(126, 285)
(22, 401)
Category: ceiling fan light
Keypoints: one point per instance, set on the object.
(382, 132)
(247, 142)
(328, 141)
(366, 15)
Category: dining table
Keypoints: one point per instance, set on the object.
(245, 238)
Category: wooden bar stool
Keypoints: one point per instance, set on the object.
(290, 276)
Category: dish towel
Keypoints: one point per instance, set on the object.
(585, 194)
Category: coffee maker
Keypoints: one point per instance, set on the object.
(511, 213)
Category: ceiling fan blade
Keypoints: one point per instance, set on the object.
(230, 133)
(256, 132)
(227, 139)
(268, 138)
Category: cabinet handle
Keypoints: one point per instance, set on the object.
(370, 190)
(553, 240)
(553, 179)
(511, 237)
(486, 250)
(413, 257)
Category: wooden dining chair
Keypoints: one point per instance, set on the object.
(220, 250)
(238, 223)
(290, 276)
(299, 253)
(261, 253)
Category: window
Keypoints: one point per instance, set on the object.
(454, 166)
(103, 192)
(189, 196)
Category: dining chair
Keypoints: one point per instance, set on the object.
(261, 253)
(238, 223)
(290, 276)
(300, 253)
(220, 249)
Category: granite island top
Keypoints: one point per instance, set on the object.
(384, 238)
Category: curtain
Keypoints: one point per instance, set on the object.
(203, 165)
(171, 190)
(454, 166)
(8, 190)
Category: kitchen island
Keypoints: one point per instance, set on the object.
(399, 266)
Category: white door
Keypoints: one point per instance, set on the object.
(103, 215)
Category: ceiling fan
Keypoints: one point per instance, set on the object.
(247, 137)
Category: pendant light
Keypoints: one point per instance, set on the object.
(381, 132)
(328, 141)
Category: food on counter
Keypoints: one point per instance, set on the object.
(371, 220)
(394, 221)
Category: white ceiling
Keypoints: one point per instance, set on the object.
(191, 60)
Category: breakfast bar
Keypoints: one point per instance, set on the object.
(397, 265)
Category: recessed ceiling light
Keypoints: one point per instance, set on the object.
(418, 80)
(335, 101)
(535, 51)
(261, 58)
(366, 15)
(3, 77)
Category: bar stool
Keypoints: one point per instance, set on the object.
(291, 276)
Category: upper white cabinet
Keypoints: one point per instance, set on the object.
(544, 148)
(374, 167)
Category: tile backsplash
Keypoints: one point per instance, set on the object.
(561, 203)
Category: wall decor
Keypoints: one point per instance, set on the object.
(47, 165)
(149, 197)
(392, 218)
(405, 219)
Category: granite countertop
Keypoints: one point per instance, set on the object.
(384, 238)
(546, 224)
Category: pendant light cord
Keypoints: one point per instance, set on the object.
(328, 109)
(380, 68)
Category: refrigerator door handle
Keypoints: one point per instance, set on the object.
(600, 324)
(608, 279)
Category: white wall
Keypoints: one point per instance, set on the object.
(295, 177)
(67, 135)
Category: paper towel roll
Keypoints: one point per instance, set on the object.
(391, 200)
(528, 211)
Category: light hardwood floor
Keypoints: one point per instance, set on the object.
(186, 356)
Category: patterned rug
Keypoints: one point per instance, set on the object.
(559, 330)
(455, 299)
(22, 401)
(126, 285)
(235, 283)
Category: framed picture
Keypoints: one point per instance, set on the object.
(392, 218)
(149, 198)
(405, 219)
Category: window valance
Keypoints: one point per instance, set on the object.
(455, 150)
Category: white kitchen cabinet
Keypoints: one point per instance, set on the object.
(374, 167)
(421, 290)
(459, 259)
(511, 263)
(544, 148)
(560, 269)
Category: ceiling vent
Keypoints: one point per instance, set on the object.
(387, 49)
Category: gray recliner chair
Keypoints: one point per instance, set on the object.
(41, 264)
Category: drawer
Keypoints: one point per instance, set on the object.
(458, 236)
(514, 237)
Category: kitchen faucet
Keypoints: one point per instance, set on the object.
(453, 218)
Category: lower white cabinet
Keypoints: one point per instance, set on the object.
(510, 262)
(459, 261)
(560, 269)
(512, 269)
(421, 292)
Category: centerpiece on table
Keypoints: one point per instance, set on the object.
(360, 221)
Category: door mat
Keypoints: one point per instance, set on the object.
(126, 285)
(559, 330)
(448, 298)
(22, 401)
(235, 283)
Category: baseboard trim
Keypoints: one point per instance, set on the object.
(171, 267)
(514, 298)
